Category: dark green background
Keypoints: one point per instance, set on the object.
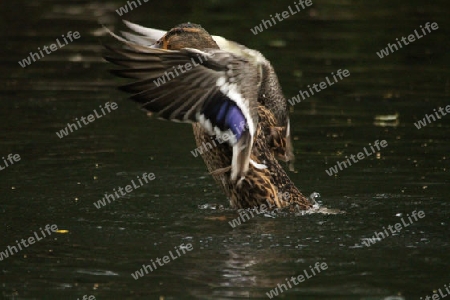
(57, 180)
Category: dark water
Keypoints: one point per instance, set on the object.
(95, 250)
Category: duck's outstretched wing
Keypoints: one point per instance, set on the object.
(213, 87)
(146, 37)
(279, 135)
(278, 131)
(149, 36)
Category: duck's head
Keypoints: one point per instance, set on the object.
(186, 35)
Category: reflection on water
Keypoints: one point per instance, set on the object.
(57, 180)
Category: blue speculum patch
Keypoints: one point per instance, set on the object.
(225, 114)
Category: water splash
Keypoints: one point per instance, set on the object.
(314, 199)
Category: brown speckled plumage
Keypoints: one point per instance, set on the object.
(267, 186)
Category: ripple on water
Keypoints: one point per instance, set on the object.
(98, 272)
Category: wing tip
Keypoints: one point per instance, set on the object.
(241, 156)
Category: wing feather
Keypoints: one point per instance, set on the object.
(207, 92)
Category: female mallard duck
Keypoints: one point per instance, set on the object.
(230, 93)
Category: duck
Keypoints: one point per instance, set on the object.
(228, 92)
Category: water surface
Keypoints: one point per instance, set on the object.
(96, 250)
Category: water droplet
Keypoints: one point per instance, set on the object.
(314, 197)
